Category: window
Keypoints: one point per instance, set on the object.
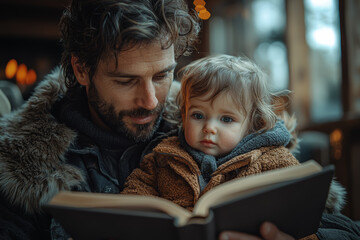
(323, 38)
(255, 29)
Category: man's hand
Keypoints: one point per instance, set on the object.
(268, 231)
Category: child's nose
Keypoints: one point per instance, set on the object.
(209, 128)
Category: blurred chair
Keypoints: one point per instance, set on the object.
(314, 145)
(13, 94)
(5, 106)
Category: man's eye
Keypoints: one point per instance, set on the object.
(160, 77)
(197, 116)
(125, 82)
(226, 119)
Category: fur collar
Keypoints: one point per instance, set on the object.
(32, 147)
(336, 198)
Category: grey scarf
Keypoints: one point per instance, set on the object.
(277, 136)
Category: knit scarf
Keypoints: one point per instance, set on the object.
(277, 136)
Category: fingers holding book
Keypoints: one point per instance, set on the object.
(268, 231)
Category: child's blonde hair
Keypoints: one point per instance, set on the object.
(239, 77)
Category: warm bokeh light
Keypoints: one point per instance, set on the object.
(204, 14)
(21, 74)
(336, 136)
(30, 77)
(198, 8)
(10, 69)
(199, 2)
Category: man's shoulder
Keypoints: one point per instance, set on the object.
(31, 136)
(32, 131)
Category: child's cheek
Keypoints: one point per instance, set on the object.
(230, 138)
(190, 134)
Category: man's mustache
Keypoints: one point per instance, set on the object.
(142, 112)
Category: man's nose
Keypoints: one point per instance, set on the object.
(209, 127)
(147, 96)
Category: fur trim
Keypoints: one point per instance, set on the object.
(32, 148)
(336, 198)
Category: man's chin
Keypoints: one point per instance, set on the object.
(140, 132)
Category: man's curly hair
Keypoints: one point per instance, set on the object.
(94, 29)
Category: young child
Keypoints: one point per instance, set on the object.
(229, 130)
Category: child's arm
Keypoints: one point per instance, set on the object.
(143, 180)
(270, 158)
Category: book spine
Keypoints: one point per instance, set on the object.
(198, 229)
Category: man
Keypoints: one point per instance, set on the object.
(89, 123)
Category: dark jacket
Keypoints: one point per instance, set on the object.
(40, 155)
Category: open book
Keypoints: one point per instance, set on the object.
(293, 198)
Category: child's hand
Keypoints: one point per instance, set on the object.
(267, 230)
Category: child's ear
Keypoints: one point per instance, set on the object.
(80, 72)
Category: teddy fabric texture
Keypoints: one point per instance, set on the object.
(171, 172)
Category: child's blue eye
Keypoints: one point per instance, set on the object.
(226, 119)
(197, 116)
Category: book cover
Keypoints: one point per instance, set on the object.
(292, 198)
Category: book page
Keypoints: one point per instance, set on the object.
(119, 201)
(236, 187)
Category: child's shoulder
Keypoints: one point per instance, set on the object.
(168, 143)
(171, 146)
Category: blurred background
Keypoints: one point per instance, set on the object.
(311, 47)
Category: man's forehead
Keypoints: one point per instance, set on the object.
(154, 49)
(141, 56)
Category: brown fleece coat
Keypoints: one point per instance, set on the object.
(170, 172)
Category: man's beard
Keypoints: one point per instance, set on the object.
(106, 112)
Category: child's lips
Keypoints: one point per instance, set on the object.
(207, 143)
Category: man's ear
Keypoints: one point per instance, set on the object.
(80, 72)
